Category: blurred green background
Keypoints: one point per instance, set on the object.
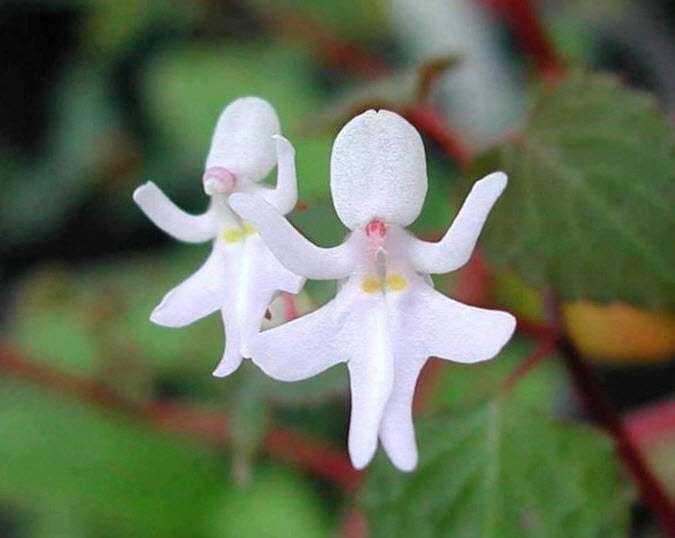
(111, 426)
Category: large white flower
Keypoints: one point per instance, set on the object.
(241, 276)
(386, 319)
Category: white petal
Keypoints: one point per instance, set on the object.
(397, 432)
(242, 141)
(461, 333)
(172, 220)
(284, 197)
(371, 378)
(301, 348)
(294, 251)
(455, 249)
(196, 297)
(259, 276)
(262, 277)
(378, 170)
(232, 355)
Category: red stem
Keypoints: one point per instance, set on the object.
(426, 120)
(338, 52)
(302, 451)
(545, 347)
(599, 410)
(522, 18)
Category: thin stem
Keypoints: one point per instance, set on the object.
(544, 349)
(426, 120)
(600, 411)
(337, 52)
(211, 427)
(524, 21)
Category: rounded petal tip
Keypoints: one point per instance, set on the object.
(242, 140)
(378, 170)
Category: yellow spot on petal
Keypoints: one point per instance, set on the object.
(396, 282)
(370, 284)
(249, 229)
(231, 235)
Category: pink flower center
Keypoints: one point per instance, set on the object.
(376, 227)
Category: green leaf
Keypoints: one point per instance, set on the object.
(501, 470)
(461, 385)
(588, 210)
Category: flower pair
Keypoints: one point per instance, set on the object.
(386, 319)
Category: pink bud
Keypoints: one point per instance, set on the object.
(218, 180)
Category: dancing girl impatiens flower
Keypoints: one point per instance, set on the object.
(386, 319)
(241, 276)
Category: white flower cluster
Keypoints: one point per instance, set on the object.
(386, 319)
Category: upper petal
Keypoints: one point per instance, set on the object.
(242, 140)
(378, 170)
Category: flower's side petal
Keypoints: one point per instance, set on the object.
(242, 140)
(232, 355)
(455, 249)
(461, 333)
(301, 348)
(172, 220)
(378, 170)
(397, 432)
(196, 297)
(284, 197)
(294, 251)
(371, 376)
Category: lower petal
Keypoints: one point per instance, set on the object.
(198, 296)
(232, 356)
(397, 432)
(301, 348)
(454, 331)
(371, 378)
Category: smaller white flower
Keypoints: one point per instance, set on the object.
(386, 319)
(241, 276)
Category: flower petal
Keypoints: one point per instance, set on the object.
(242, 141)
(257, 278)
(284, 197)
(371, 376)
(378, 170)
(455, 249)
(294, 251)
(461, 333)
(196, 297)
(172, 220)
(397, 432)
(301, 348)
(232, 356)
(262, 277)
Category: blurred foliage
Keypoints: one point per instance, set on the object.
(501, 470)
(587, 213)
(590, 211)
(122, 479)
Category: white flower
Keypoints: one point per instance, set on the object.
(241, 276)
(386, 319)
